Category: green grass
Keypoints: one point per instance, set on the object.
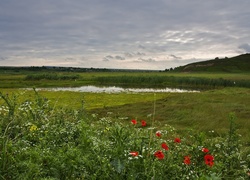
(76, 135)
(237, 64)
(39, 141)
(22, 79)
(204, 111)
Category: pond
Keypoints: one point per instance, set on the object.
(115, 89)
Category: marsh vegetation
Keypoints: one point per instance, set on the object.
(143, 135)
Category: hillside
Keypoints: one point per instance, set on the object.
(235, 64)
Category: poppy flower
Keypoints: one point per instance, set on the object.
(164, 146)
(187, 160)
(209, 160)
(159, 154)
(133, 121)
(158, 134)
(134, 153)
(143, 123)
(177, 140)
(205, 150)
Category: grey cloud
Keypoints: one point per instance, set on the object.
(147, 60)
(175, 57)
(70, 59)
(105, 59)
(110, 57)
(119, 58)
(245, 47)
(129, 55)
(3, 58)
(48, 29)
(141, 46)
(134, 54)
(140, 54)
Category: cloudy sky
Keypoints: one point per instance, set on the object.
(131, 34)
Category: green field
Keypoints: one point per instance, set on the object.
(206, 110)
(22, 79)
(76, 135)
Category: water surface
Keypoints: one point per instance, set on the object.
(114, 89)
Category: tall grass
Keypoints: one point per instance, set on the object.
(51, 76)
(172, 81)
(38, 141)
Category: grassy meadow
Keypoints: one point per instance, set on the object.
(74, 135)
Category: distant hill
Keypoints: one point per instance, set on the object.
(235, 64)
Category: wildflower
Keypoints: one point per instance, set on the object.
(209, 160)
(33, 128)
(159, 154)
(217, 145)
(134, 153)
(177, 140)
(187, 160)
(205, 150)
(143, 123)
(164, 146)
(158, 134)
(133, 121)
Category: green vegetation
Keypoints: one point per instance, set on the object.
(227, 72)
(38, 141)
(75, 135)
(50, 77)
(236, 64)
(172, 81)
(24, 79)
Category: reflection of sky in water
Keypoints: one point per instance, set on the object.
(114, 89)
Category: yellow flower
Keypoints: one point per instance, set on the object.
(33, 128)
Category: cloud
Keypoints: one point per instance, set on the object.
(134, 54)
(147, 60)
(3, 58)
(127, 30)
(119, 57)
(245, 47)
(175, 57)
(141, 46)
(129, 55)
(116, 57)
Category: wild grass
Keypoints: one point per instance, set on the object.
(172, 81)
(38, 141)
(204, 111)
(149, 79)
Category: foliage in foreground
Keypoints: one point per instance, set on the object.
(39, 142)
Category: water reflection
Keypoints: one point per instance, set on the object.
(114, 89)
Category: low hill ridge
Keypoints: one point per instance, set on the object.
(235, 64)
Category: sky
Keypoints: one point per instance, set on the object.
(123, 34)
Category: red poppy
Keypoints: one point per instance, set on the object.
(159, 154)
(187, 160)
(134, 153)
(205, 150)
(143, 123)
(209, 160)
(177, 140)
(164, 146)
(158, 134)
(133, 121)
